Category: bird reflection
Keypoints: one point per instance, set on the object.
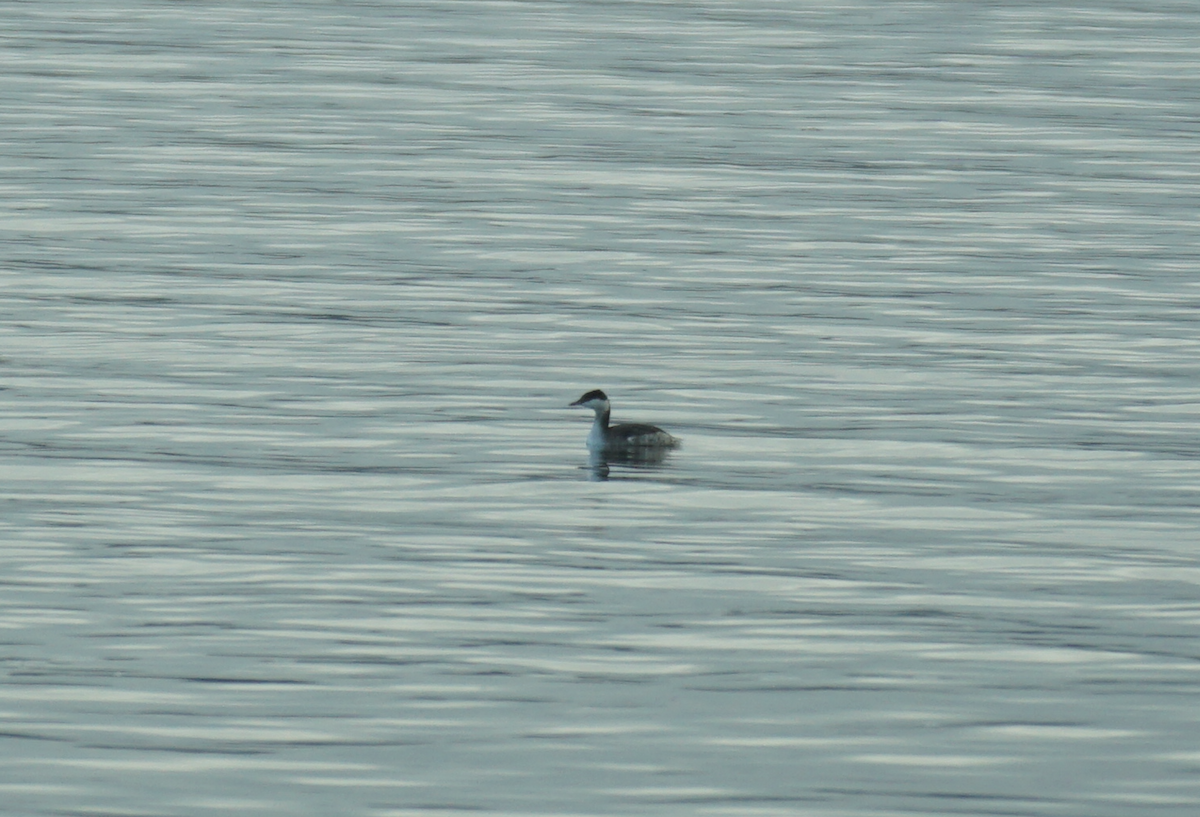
(599, 460)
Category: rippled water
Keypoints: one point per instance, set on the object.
(296, 520)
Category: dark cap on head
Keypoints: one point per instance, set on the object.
(594, 394)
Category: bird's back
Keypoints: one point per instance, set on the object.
(639, 435)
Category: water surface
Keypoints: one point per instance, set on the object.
(296, 520)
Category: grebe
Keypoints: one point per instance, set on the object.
(623, 437)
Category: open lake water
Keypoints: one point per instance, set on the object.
(295, 520)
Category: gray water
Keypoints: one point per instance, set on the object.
(295, 520)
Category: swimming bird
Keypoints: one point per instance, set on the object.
(622, 437)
